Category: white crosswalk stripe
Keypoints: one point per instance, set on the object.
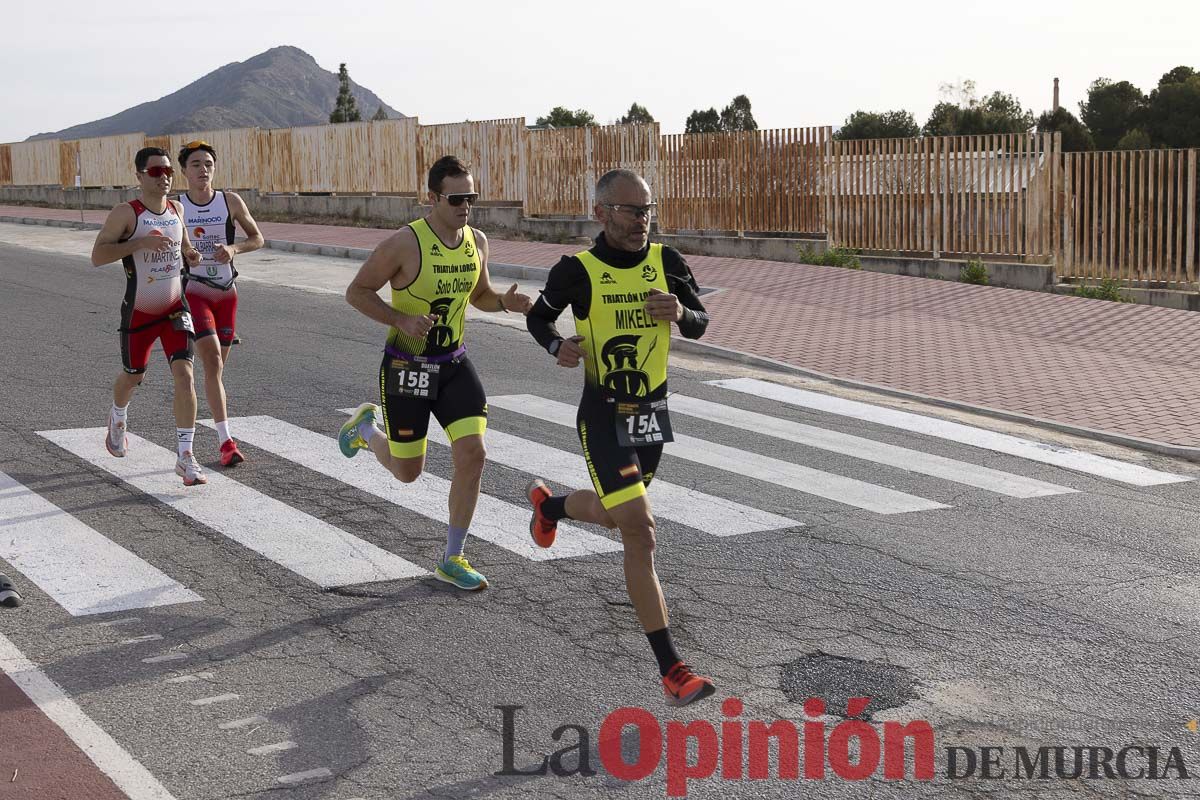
(312, 548)
(87, 573)
(496, 521)
(78, 567)
(890, 455)
(752, 465)
(1064, 457)
(704, 512)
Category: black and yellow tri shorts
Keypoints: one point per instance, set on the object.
(619, 474)
(460, 408)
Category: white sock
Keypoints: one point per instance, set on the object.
(223, 431)
(367, 430)
(185, 439)
(120, 413)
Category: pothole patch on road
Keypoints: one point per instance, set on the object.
(835, 679)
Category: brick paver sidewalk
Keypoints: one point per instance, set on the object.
(1121, 368)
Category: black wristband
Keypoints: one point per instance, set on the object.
(554, 346)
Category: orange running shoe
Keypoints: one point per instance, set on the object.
(230, 455)
(543, 530)
(682, 686)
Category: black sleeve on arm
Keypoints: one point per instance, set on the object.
(566, 285)
(683, 285)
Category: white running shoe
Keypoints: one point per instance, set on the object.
(115, 440)
(189, 469)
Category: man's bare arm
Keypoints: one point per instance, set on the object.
(387, 261)
(117, 226)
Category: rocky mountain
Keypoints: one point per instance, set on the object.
(281, 88)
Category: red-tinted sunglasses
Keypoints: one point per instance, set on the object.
(158, 172)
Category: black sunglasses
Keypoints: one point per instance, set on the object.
(459, 199)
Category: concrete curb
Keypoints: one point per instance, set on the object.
(330, 250)
(521, 272)
(53, 223)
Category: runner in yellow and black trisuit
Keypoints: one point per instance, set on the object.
(625, 293)
(435, 266)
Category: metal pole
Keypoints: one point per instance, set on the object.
(79, 185)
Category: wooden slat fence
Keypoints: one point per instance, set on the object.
(958, 195)
(758, 181)
(36, 163)
(493, 149)
(1131, 215)
(239, 164)
(107, 161)
(563, 165)
(558, 179)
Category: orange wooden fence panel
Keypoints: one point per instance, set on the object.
(69, 162)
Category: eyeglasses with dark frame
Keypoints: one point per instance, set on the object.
(157, 172)
(633, 211)
(459, 198)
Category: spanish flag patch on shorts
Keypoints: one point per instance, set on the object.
(628, 472)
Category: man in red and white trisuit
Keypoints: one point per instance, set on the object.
(148, 237)
(211, 292)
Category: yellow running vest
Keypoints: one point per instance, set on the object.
(626, 350)
(443, 287)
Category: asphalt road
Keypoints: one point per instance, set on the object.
(1066, 619)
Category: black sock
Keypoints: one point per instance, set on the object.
(664, 650)
(555, 508)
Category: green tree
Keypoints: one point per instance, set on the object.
(1112, 110)
(380, 114)
(734, 117)
(1076, 138)
(1003, 113)
(345, 108)
(1177, 75)
(737, 117)
(563, 117)
(999, 112)
(1136, 139)
(943, 120)
(703, 122)
(1172, 114)
(878, 125)
(637, 115)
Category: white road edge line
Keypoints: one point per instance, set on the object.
(113, 760)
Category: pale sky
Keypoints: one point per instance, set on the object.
(801, 64)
